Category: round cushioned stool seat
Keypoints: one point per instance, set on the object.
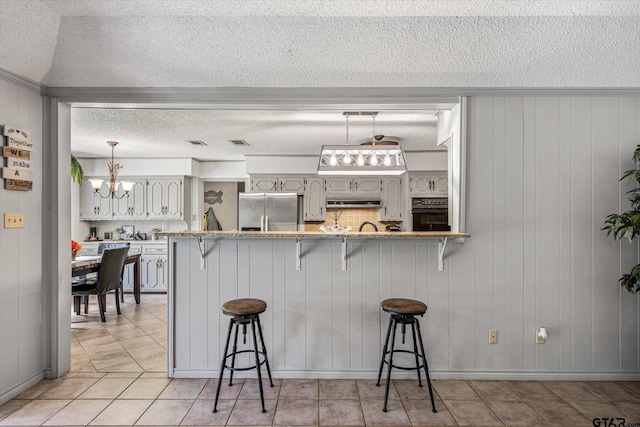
(244, 307)
(403, 306)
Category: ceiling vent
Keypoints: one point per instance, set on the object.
(239, 142)
(196, 142)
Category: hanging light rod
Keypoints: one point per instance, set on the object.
(369, 159)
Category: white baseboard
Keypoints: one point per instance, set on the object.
(19, 388)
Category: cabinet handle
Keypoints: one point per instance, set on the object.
(281, 186)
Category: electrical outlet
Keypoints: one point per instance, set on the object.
(13, 220)
(493, 336)
(539, 340)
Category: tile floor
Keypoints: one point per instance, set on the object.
(118, 378)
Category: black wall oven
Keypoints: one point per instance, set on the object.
(430, 214)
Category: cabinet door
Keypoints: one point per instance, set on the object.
(420, 184)
(291, 185)
(264, 183)
(128, 273)
(151, 272)
(440, 185)
(133, 206)
(173, 198)
(155, 198)
(95, 206)
(338, 185)
(391, 200)
(429, 184)
(314, 200)
(367, 186)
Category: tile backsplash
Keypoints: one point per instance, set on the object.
(350, 218)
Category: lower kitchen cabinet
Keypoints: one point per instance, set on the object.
(154, 268)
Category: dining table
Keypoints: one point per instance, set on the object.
(83, 265)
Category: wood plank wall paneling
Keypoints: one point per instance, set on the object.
(23, 295)
(542, 176)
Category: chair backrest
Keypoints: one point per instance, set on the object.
(103, 246)
(111, 266)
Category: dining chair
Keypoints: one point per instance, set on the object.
(108, 279)
(101, 248)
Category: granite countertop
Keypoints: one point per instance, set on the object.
(320, 235)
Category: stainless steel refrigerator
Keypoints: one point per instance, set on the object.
(268, 212)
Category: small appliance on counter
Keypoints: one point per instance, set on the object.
(393, 228)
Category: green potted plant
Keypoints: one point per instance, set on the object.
(76, 170)
(627, 224)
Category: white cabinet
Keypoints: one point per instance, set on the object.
(154, 268)
(360, 185)
(392, 200)
(128, 275)
(94, 207)
(164, 198)
(314, 199)
(292, 184)
(135, 205)
(429, 184)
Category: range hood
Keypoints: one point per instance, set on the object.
(341, 201)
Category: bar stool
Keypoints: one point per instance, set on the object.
(244, 311)
(403, 311)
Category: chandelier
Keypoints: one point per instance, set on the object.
(114, 168)
(370, 158)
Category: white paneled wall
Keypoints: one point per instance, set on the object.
(542, 174)
(23, 323)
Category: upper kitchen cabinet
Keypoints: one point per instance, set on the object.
(95, 206)
(392, 200)
(359, 185)
(429, 184)
(293, 184)
(165, 198)
(314, 199)
(133, 206)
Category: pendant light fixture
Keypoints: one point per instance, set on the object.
(369, 158)
(114, 168)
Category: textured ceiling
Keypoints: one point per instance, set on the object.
(164, 133)
(304, 44)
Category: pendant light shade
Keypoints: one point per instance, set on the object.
(370, 158)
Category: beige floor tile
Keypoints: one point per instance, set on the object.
(183, 388)
(630, 408)
(39, 388)
(129, 366)
(374, 416)
(85, 375)
(122, 412)
(559, 413)
(129, 344)
(150, 349)
(153, 361)
(296, 412)
(367, 389)
(410, 389)
(115, 359)
(200, 413)
(35, 413)
(338, 389)
(68, 388)
(143, 388)
(165, 412)
(609, 390)
(454, 390)
(493, 390)
(597, 409)
(226, 391)
(421, 413)
(78, 412)
(107, 388)
(12, 406)
(153, 375)
(250, 389)
(299, 389)
(341, 412)
(516, 413)
(472, 413)
(633, 386)
(531, 390)
(122, 375)
(249, 413)
(158, 369)
(569, 390)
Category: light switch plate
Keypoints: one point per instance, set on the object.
(539, 340)
(13, 220)
(493, 336)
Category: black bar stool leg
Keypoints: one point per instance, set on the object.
(384, 350)
(264, 350)
(235, 349)
(426, 368)
(255, 352)
(415, 352)
(224, 360)
(386, 386)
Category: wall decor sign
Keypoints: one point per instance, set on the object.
(17, 152)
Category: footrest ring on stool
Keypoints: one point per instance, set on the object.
(248, 367)
(412, 368)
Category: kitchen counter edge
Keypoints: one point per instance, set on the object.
(321, 235)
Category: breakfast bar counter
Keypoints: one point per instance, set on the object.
(323, 294)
